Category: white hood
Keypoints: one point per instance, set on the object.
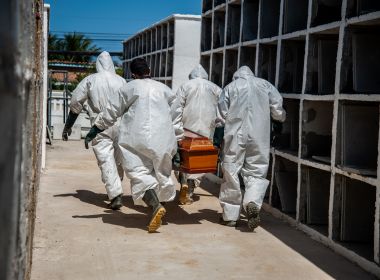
(198, 72)
(104, 63)
(244, 73)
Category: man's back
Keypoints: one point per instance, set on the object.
(196, 105)
(147, 122)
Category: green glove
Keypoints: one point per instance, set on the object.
(68, 125)
(177, 159)
(91, 135)
(218, 136)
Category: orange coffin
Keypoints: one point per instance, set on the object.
(198, 154)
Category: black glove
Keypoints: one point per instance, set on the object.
(68, 125)
(276, 132)
(177, 159)
(277, 127)
(218, 136)
(91, 135)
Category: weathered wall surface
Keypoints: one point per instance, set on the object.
(20, 115)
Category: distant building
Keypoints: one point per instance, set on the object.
(170, 46)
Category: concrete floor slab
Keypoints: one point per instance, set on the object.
(78, 237)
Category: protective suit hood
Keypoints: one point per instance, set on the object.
(104, 63)
(198, 72)
(244, 73)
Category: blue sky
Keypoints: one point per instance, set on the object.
(114, 16)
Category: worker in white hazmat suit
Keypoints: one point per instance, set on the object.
(247, 105)
(147, 138)
(93, 94)
(195, 109)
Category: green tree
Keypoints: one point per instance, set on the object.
(71, 42)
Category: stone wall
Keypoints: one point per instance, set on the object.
(20, 114)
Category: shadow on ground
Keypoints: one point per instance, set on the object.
(175, 213)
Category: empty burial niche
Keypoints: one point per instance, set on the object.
(205, 62)
(206, 33)
(153, 65)
(233, 25)
(360, 63)
(354, 215)
(163, 65)
(291, 66)
(267, 62)
(207, 5)
(159, 38)
(358, 137)
(219, 2)
(171, 34)
(154, 40)
(322, 64)
(219, 27)
(230, 65)
(217, 68)
(288, 141)
(270, 17)
(250, 20)
(149, 41)
(326, 11)
(295, 15)
(248, 57)
(157, 68)
(284, 192)
(165, 36)
(269, 178)
(314, 198)
(169, 72)
(361, 7)
(317, 118)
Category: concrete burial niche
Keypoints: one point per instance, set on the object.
(361, 7)
(164, 36)
(314, 198)
(206, 33)
(317, 120)
(322, 64)
(230, 65)
(219, 2)
(354, 215)
(250, 20)
(289, 139)
(292, 65)
(284, 189)
(158, 65)
(267, 62)
(159, 38)
(270, 16)
(170, 62)
(360, 65)
(206, 6)
(248, 57)
(326, 11)
(163, 65)
(357, 143)
(205, 62)
(171, 34)
(295, 15)
(217, 68)
(219, 28)
(233, 26)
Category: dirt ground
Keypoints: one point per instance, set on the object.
(78, 237)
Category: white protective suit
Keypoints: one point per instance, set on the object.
(247, 105)
(196, 108)
(196, 105)
(147, 139)
(99, 90)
